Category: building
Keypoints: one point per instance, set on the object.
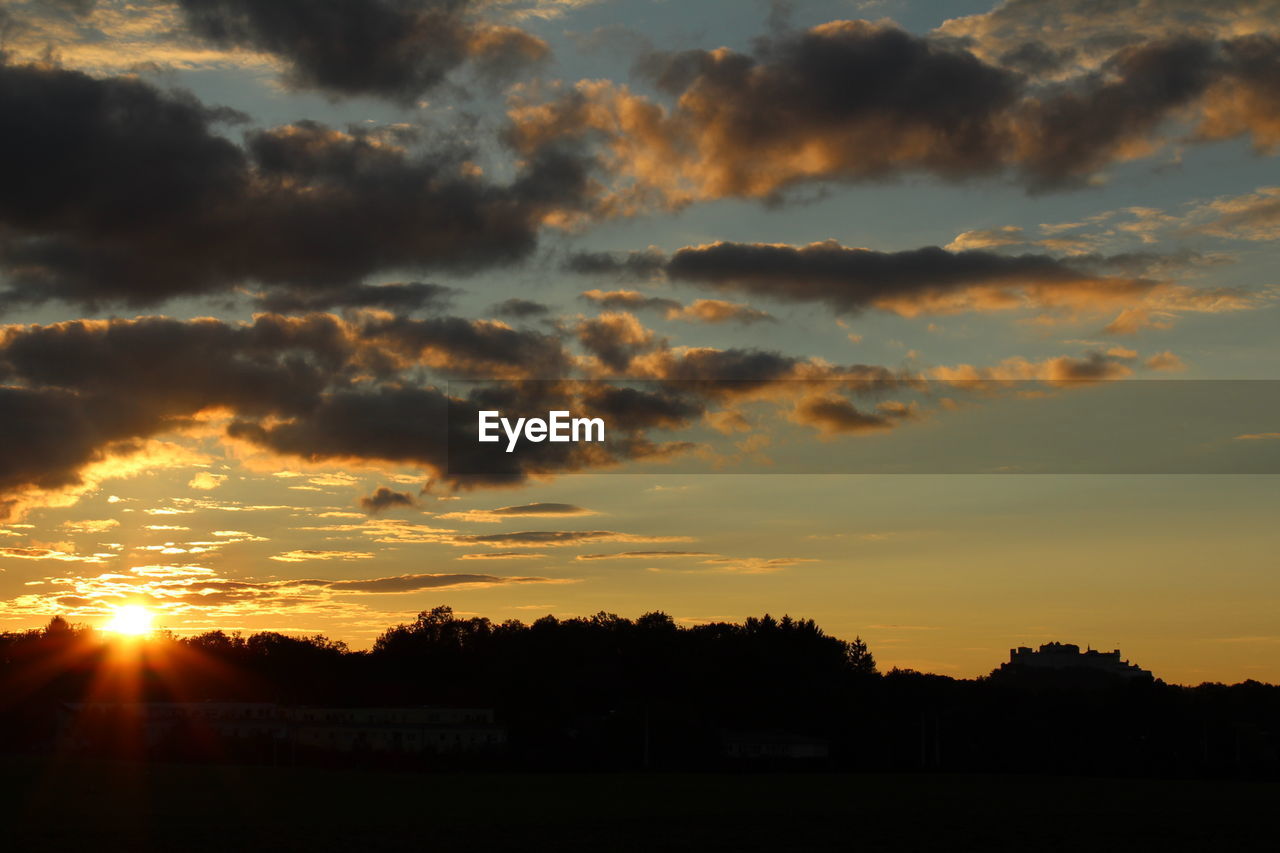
(773, 746)
(400, 730)
(151, 725)
(1066, 658)
(84, 726)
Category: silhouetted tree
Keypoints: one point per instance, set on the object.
(605, 690)
(861, 660)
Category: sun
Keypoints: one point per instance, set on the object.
(133, 620)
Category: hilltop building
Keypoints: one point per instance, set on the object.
(1067, 659)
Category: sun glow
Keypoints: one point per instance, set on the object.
(132, 620)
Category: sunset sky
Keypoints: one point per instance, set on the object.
(978, 276)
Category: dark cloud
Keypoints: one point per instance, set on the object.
(519, 309)
(913, 281)
(394, 49)
(384, 499)
(414, 583)
(50, 436)
(616, 339)
(630, 265)
(163, 366)
(846, 100)
(426, 428)
(853, 100)
(1034, 58)
(1079, 131)
(325, 389)
(316, 387)
(662, 407)
(1093, 367)
(118, 193)
(701, 311)
(83, 392)
(836, 415)
(948, 103)
(461, 347)
(399, 297)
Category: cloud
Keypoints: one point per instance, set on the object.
(85, 393)
(987, 238)
(92, 397)
(533, 510)
(194, 590)
(854, 101)
(461, 347)
(911, 282)
(424, 427)
(630, 300)
(1057, 38)
(1252, 216)
(631, 265)
(540, 509)
(932, 280)
(414, 583)
(206, 481)
(400, 298)
(143, 199)
(51, 554)
(1162, 305)
(519, 309)
(396, 49)
(719, 311)
(559, 538)
(644, 555)
(384, 499)
(1094, 366)
(834, 415)
(503, 555)
(616, 338)
(93, 392)
(91, 525)
(755, 565)
(386, 531)
(307, 554)
(1165, 361)
(702, 310)
(749, 126)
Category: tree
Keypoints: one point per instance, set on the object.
(860, 658)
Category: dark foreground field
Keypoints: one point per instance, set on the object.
(112, 806)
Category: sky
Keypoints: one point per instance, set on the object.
(949, 325)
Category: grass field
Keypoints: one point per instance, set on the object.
(113, 806)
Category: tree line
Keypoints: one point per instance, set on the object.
(607, 691)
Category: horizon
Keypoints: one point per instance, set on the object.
(130, 626)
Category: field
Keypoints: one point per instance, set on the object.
(114, 806)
